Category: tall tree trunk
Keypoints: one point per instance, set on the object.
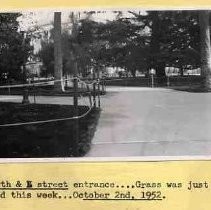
(155, 62)
(58, 52)
(205, 47)
(181, 71)
(74, 35)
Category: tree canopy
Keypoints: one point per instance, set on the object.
(14, 46)
(135, 42)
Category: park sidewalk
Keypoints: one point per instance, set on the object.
(146, 122)
(152, 122)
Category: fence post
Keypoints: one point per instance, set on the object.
(103, 85)
(34, 92)
(89, 95)
(75, 104)
(168, 81)
(66, 81)
(98, 86)
(98, 90)
(189, 81)
(102, 79)
(152, 76)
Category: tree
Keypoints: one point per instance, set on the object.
(156, 61)
(205, 47)
(95, 44)
(91, 48)
(73, 46)
(14, 47)
(181, 45)
(47, 56)
(58, 75)
(126, 43)
(139, 41)
(155, 39)
(174, 39)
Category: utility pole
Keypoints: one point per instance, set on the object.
(58, 86)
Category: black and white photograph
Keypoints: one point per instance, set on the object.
(105, 83)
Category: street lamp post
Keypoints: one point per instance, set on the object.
(25, 99)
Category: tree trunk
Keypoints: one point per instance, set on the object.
(133, 72)
(58, 52)
(181, 71)
(155, 58)
(160, 70)
(205, 48)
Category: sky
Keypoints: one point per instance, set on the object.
(43, 19)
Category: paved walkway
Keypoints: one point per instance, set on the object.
(146, 121)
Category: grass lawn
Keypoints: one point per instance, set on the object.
(54, 139)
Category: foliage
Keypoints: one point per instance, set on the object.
(155, 39)
(136, 41)
(174, 39)
(126, 44)
(81, 45)
(47, 55)
(14, 48)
